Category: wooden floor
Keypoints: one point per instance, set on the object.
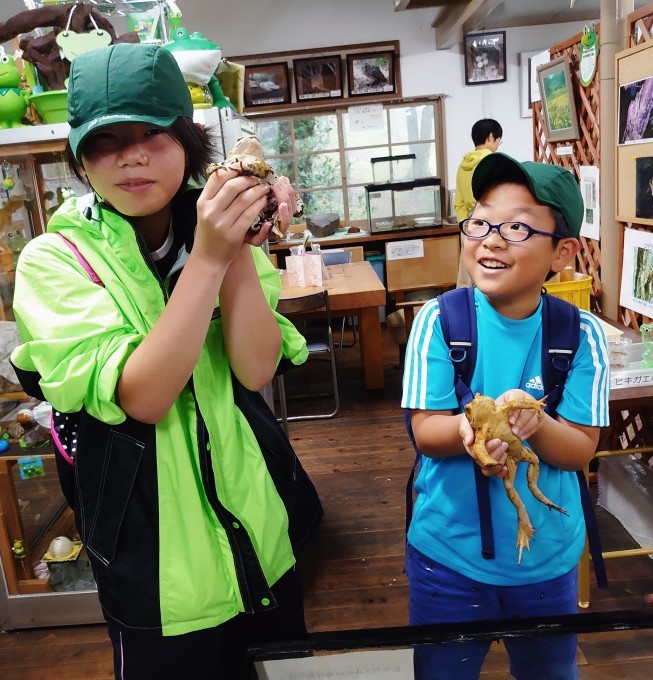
(353, 572)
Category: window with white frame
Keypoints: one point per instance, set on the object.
(329, 163)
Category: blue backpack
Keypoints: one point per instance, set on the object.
(560, 324)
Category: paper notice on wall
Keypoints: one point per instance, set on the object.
(538, 60)
(404, 250)
(589, 188)
(637, 272)
(366, 117)
(376, 665)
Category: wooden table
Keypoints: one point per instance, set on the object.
(354, 290)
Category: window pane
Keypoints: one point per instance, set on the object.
(323, 201)
(364, 137)
(275, 136)
(319, 170)
(316, 133)
(424, 165)
(357, 207)
(412, 123)
(284, 166)
(359, 166)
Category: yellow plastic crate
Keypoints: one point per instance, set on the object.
(577, 291)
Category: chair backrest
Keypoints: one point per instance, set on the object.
(336, 256)
(305, 303)
(437, 267)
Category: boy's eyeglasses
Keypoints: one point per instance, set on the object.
(473, 227)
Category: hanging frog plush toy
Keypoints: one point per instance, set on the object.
(13, 99)
(198, 60)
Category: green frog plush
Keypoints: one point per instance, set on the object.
(198, 58)
(13, 100)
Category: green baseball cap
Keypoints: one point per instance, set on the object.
(124, 83)
(549, 184)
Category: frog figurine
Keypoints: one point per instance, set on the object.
(646, 331)
(13, 99)
(198, 58)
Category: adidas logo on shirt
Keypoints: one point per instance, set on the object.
(536, 383)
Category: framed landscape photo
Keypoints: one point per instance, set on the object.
(318, 77)
(371, 73)
(558, 104)
(485, 57)
(267, 84)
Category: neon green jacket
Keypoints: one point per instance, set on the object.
(161, 545)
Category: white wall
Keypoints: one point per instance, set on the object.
(259, 26)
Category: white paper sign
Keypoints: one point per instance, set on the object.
(637, 272)
(539, 59)
(377, 665)
(589, 187)
(404, 250)
(366, 117)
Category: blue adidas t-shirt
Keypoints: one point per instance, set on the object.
(445, 524)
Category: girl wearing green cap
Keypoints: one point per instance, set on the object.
(147, 317)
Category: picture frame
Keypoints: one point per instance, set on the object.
(267, 84)
(526, 83)
(485, 57)
(318, 77)
(558, 101)
(371, 73)
(635, 110)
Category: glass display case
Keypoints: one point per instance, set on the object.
(404, 204)
(36, 590)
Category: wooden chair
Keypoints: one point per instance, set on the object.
(320, 343)
(436, 269)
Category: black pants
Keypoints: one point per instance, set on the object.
(215, 653)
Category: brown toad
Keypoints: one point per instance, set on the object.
(490, 421)
(248, 158)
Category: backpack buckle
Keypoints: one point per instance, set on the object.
(458, 351)
(561, 359)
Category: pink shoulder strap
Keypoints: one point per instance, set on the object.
(82, 260)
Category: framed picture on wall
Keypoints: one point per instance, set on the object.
(267, 84)
(485, 57)
(318, 77)
(558, 104)
(371, 73)
(635, 111)
(526, 83)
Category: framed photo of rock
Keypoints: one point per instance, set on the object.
(267, 84)
(371, 73)
(318, 77)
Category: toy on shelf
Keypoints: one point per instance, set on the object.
(198, 59)
(13, 98)
(646, 331)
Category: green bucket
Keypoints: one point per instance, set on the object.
(51, 106)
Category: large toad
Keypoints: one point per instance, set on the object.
(248, 158)
(490, 421)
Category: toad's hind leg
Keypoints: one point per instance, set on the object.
(532, 475)
(525, 529)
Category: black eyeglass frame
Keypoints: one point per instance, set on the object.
(497, 227)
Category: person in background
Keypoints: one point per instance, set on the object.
(146, 312)
(450, 580)
(486, 135)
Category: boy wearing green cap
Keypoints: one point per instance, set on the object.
(148, 321)
(525, 225)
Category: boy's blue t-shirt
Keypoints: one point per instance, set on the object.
(445, 524)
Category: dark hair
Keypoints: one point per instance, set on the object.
(196, 142)
(483, 128)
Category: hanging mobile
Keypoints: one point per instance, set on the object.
(8, 182)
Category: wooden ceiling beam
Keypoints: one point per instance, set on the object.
(403, 5)
(477, 20)
(449, 22)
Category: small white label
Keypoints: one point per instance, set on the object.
(564, 150)
(404, 250)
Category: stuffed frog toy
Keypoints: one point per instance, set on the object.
(198, 59)
(13, 99)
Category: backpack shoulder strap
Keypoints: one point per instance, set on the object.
(560, 339)
(458, 323)
(82, 260)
